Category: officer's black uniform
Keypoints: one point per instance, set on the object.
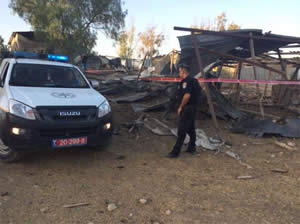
(186, 124)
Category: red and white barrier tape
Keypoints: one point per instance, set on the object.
(96, 71)
(171, 79)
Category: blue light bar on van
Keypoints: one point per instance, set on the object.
(24, 54)
(57, 57)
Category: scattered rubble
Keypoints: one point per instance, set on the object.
(44, 210)
(3, 194)
(291, 144)
(143, 201)
(111, 207)
(168, 212)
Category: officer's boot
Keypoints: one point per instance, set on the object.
(191, 149)
(174, 153)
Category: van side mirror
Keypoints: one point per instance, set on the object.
(95, 83)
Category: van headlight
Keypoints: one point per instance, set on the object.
(103, 109)
(21, 110)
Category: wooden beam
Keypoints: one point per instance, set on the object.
(242, 60)
(206, 89)
(142, 66)
(251, 45)
(220, 67)
(266, 86)
(238, 89)
(282, 64)
(233, 85)
(291, 46)
(257, 113)
(284, 53)
(277, 59)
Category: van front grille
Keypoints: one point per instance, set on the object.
(71, 132)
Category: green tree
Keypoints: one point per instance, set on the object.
(3, 47)
(150, 41)
(70, 26)
(126, 42)
(1, 43)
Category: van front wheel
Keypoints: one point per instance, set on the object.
(8, 154)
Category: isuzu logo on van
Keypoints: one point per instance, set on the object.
(69, 113)
(63, 95)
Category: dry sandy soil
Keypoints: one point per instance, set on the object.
(201, 188)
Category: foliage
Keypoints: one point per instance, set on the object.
(126, 42)
(71, 25)
(1, 43)
(221, 22)
(218, 24)
(3, 47)
(150, 42)
(233, 26)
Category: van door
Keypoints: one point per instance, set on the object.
(3, 91)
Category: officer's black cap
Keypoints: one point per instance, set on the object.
(183, 65)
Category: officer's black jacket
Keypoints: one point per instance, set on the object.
(189, 85)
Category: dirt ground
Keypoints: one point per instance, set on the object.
(201, 188)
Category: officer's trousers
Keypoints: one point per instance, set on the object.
(186, 125)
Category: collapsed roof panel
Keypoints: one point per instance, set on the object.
(233, 42)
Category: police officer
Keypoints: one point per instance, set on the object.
(84, 61)
(186, 112)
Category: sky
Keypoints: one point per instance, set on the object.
(280, 17)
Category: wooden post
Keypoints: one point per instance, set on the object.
(206, 89)
(220, 67)
(171, 62)
(237, 97)
(142, 66)
(283, 68)
(266, 86)
(233, 86)
(295, 75)
(282, 91)
(251, 44)
(251, 62)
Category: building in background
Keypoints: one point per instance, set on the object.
(25, 41)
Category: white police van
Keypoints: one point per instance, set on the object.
(49, 104)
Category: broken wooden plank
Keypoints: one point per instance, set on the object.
(283, 145)
(244, 177)
(259, 96)
(278, 170)
(238, 158)
(75, 205)
(206, 90)
(257, 113)
(245, 164)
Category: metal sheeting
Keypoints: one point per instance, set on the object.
(158, 105)
(260, 127)
(131, 98)
(224, 106)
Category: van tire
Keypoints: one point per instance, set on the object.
(8, 154)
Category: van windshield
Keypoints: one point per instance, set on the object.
(35, 75)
